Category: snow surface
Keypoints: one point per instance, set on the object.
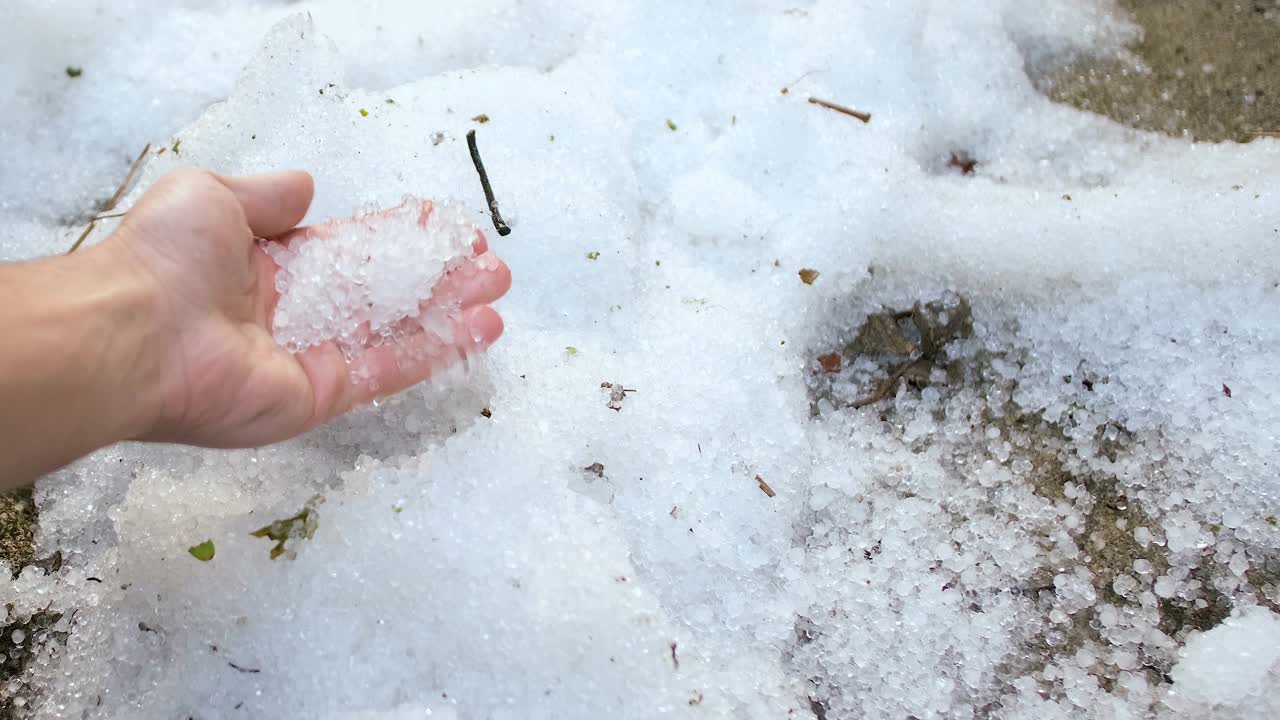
(1013, 540)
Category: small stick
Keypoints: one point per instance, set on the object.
(764, 487)
(111, 215)
(133, 170)
(498, 223)
(863, 116)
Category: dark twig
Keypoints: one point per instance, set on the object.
(111, 204)
(241, 668)
(498, 223)
(863, 116)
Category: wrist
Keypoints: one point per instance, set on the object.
(77, 370)
(121, 338)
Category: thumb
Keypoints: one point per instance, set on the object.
(274, 202)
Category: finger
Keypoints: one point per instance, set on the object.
(273, 203)
(478, 281)
(390, 368)
(331, 389)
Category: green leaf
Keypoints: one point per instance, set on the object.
(74, 71)
(571, 350)
(202, 552)
(177, 144)
(390, 101)
(670, 125)
(397, 508)
(593, 255)
(553, 138)
(300, 526)
(364, 113)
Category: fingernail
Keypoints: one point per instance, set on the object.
(485, 326)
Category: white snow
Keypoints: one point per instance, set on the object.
(1001, 543)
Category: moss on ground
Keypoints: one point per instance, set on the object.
(17, 528)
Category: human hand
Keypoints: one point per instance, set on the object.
(223, 380)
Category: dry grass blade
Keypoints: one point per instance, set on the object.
(863, 116)
(115, 198)
(83, 235)
(1265, 133)
(133, 170)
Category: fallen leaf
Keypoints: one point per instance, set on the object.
(831, 362)
(302, 525)
(74, 71)
(807, 276)
(202, 552)
(1226, 390)
(962, 162)
(481, 118)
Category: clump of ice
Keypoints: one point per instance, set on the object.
(1231, 671)
(355, 281)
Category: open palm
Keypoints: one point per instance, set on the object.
(226, 382)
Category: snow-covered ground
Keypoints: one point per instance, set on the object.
(1065, 508)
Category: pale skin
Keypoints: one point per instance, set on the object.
(161, 332)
